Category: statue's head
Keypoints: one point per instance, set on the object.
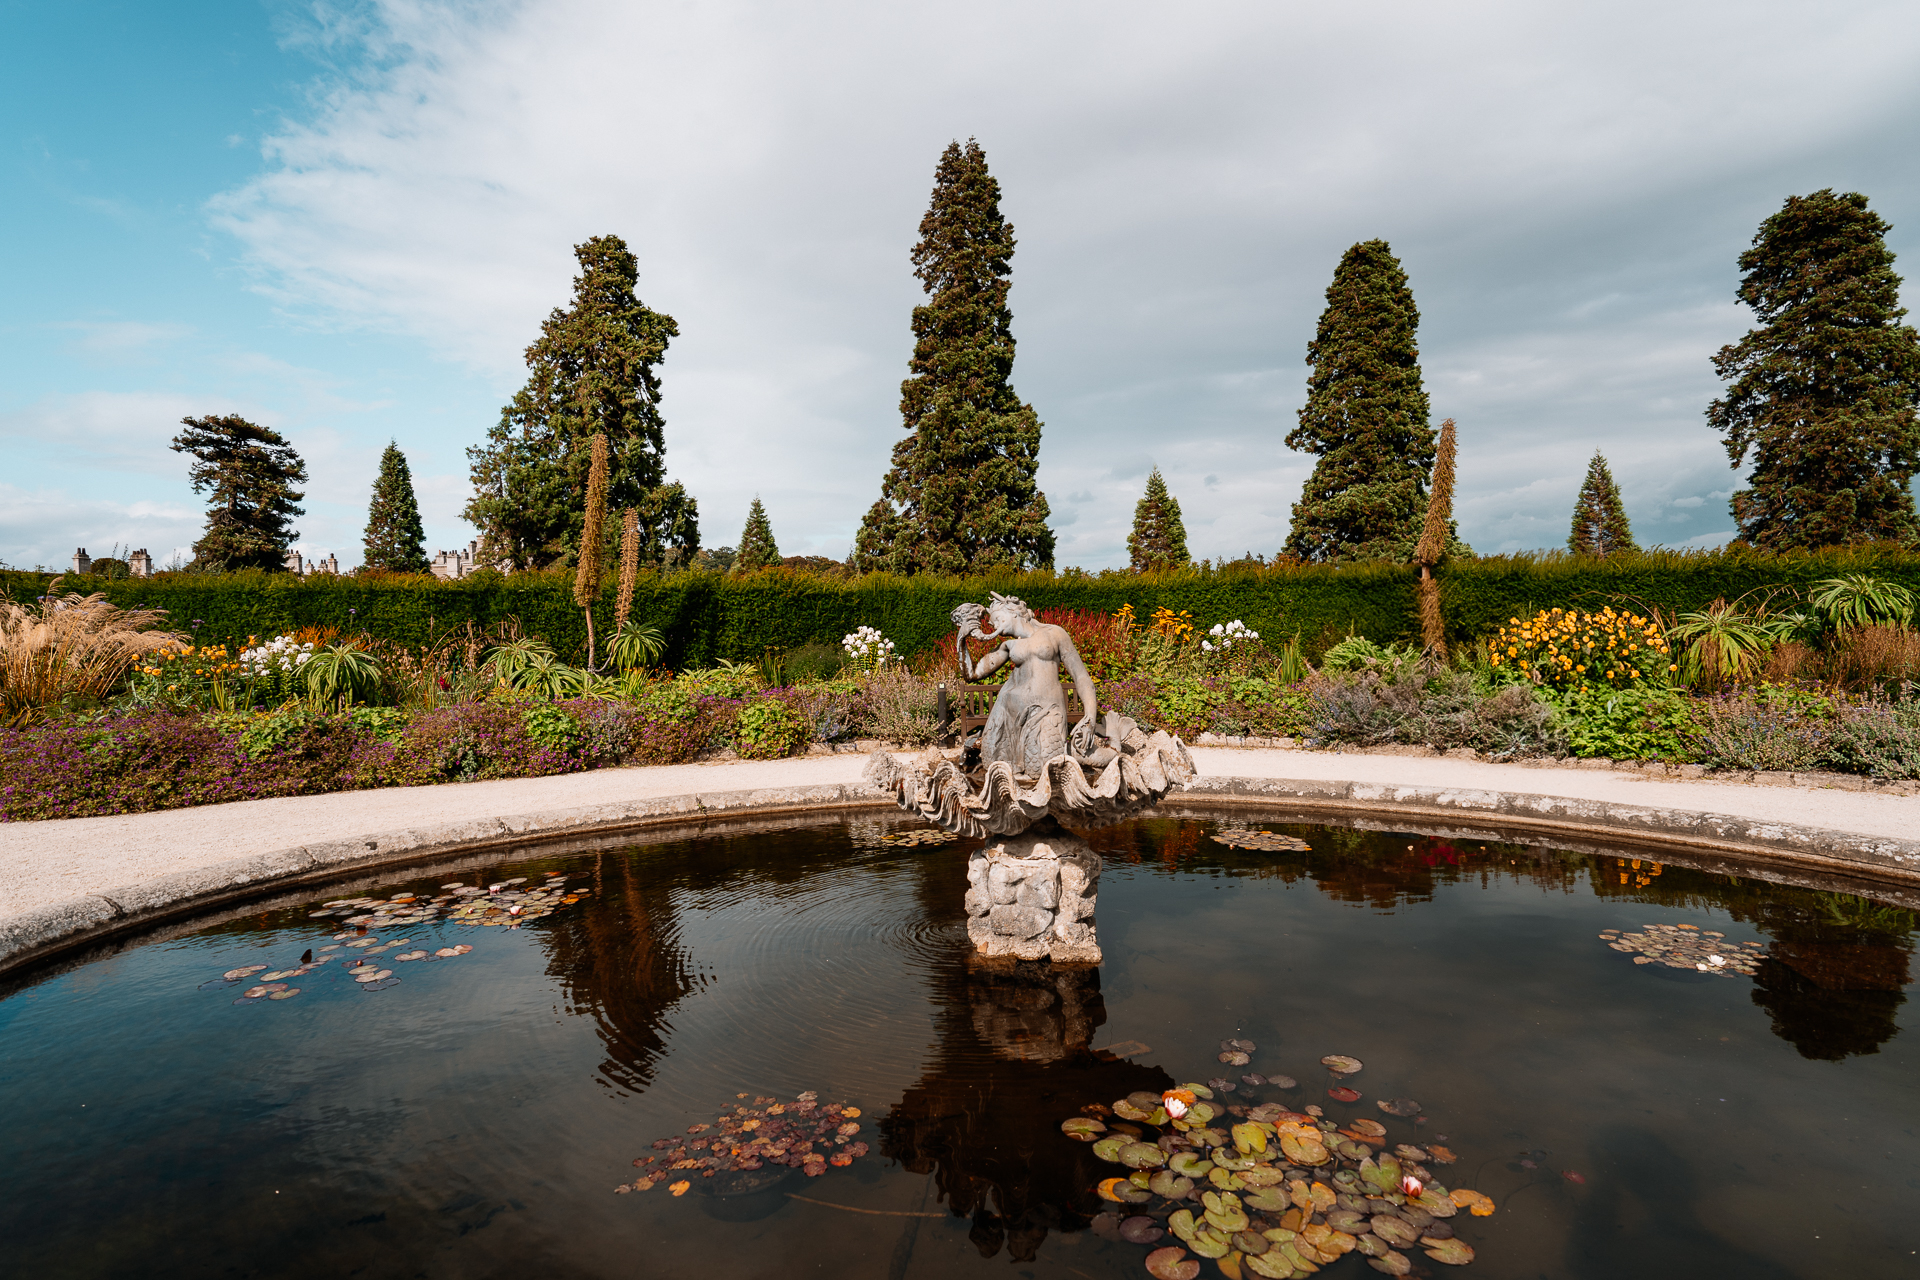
(1008, 610)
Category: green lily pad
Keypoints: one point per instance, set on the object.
(1371, 1245)
(1201, 1112)
(1199, 1091)
(1109, 1148)
(1210, 1244)
(1267, 1199)
(1391, 1263)
(1225, 1179)
(1188, 1164)
(1262, 1175)
(1349, 1221)
(1251, 1243)
(1393, 1230)
(1452, 1252)
(1340, 1064)
(1181, 1223)
(1142, 1155)
(1230, 1158)
(1127, 1111)
(1209, 1137)
(1275, 1265)
(1249, 1137)
(1171, 1185)
(1082, 1128)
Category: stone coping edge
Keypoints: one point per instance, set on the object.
(36, 935)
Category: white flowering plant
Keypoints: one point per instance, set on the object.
(1222, 637)
(274, 668)
(867, 649)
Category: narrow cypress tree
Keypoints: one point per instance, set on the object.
(593, 538)
(251, 471)
(395, 540)
(1600, 525)
(1365, 417)
(757, 548)
(593, 369)
(1159, 539)
(1824, 393)
(961, 495)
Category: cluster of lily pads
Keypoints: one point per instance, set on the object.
(364, 968)
(1263, 841)
(504, 902)
(1267, 1190)
(1686, 946)
(804, 1134)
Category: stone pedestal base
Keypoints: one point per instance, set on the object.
(1031, 896)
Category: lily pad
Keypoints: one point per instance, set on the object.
(1473, 1202)
(1340, 1093)
(1371, 1245)
(288, 994)
(1210, 1244)
(1391, 1263)
(1108, 1149)
(1340, 1064)
(1348, 1221)
(1267, 1200)
(1303, 1151)
(1393, 1230)
(1188, 1164)
(1173, 1186)
(1172, 1263)
(1399, 1106)
(1274, 1265)
(1142, 1155)
(1109, 1189)
(1180, 1222)
(1369, 1128)
(1140, 1230)
(1283, 1082)
(1126, 1110)
(1440, 1155)
(1249, 1137)
(1235, 1058)
(1451, 1252)
(1407, 1151)
(1079, 1128)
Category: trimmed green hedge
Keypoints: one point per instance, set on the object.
(707, 617)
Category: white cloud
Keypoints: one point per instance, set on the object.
(1568, 188)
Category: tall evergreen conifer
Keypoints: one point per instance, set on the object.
(961, 495)
(1365, 418)
(757, 548)
(593, 370)
(1159, 539)
(1824, 393)
(250, 471)
(395, 540)
(1600, 525)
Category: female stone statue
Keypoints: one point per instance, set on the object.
(1028, 724)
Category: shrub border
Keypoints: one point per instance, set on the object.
(82, 929)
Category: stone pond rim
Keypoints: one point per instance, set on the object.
(182, 902)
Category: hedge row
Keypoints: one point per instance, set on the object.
(707, 617)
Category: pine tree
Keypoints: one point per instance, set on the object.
(1159, 539)
(395, 540)
(961, 495)
(757, 548)
(1365, 417)
(1600, 525)
(251, 471)
(593, 370)
(1824, 393)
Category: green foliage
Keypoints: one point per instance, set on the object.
(395, 540)
(1825, 393)
(1600, 525)
(1159, 538)
(1644, 723)
(1721, 643)
(1357, 653)
(769, 729)
(1365, 418)
(550, 727)
(1857, 600)
(636, 645)
(250, 472)
(961, 496)
(726, 680)
(757, 547)
(339, 674)
(592, 371)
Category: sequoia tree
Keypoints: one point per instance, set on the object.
(250, 471)
(961, 495)
(1365, 418)
(1159, 539)
(395, 539)
(1825, 391)
(593, 370)
(1600, 525)
(757, 547)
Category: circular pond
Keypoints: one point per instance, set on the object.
(772, 1054)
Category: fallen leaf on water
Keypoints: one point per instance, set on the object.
(1472, 1201)
(680, 1188)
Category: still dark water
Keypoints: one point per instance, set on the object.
(472, 1120)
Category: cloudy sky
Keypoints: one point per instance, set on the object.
(347, 220)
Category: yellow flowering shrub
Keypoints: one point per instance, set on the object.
(1568, 647)
(186, 675)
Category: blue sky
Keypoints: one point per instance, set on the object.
(346, 221)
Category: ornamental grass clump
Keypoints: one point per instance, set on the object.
(71, 646)
(1568, 647)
